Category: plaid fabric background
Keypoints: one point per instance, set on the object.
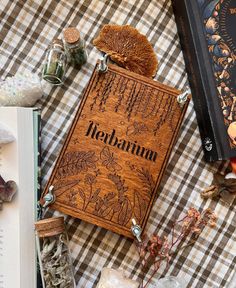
(27, 27)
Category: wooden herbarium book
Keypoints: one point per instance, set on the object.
(117, 149)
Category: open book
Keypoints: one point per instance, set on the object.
(18, 162)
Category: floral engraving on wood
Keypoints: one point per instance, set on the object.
(74, 162)
(106, 206)
(109, 160)
(92, 195)
(72, 198)
(85, 192)
(75, 141)
(147, 180)
(62, 186)
(137, 128)
(140, 206)
(134, 99)
(115, 202)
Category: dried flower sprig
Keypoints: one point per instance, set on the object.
(155, 250)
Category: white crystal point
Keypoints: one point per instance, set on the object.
(111, 278)
(23, 89)
(6, 135)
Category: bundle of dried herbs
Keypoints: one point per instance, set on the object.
(156, 251)
(53, 253)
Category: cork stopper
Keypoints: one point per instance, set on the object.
(49, 227)
(71, 35)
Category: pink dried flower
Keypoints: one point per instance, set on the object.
(193, 213)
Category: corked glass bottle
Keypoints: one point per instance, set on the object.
(53, 253)
(75, 47)
(55, 64)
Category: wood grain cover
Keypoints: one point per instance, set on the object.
(117, 149)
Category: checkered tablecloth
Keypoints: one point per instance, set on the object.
(27, 27)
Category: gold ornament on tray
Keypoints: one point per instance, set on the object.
(128, 48)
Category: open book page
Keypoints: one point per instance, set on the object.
(17, 241)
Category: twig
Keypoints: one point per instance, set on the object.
(182, 247)
(156, 249)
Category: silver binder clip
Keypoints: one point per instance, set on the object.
(183, 97)
(102, 67)
(49, 198)
(136, 230)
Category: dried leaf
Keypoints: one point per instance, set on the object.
(225, 188)
(128, 48)
(210, 192)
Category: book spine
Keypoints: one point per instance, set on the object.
(37, 167)
(191, 57)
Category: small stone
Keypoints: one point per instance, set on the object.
(23, 89)
(7, 190)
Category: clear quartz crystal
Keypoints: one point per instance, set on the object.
(170, 282)
(115, 278)
(23, 89)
